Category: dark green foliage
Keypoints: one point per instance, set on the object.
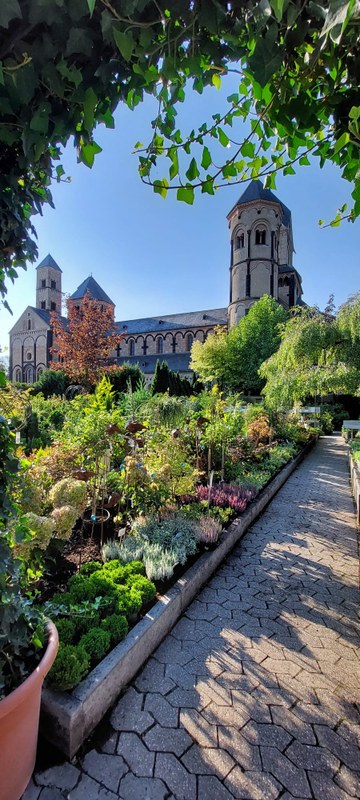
(71, 665)
(90, 567)
(128, 601)
(117, 626)
(66, 628)
(96, 642)
(120, 378)
(51, 383)
(146, 588)
(165, 380)
(22, 631)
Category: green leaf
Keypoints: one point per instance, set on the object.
(304, 161)
(223, 138)
(160, 187)
(90, 102)
(40, 120)
(88, 152)
(216, 80)
(91, 5)
(208, 186)
(354, 113)
(193, 171)
(248, 150)
(174, 168)
(125, 43)
(278, 8)
(206, 158)
(266, 60)
(186, 194)
(344, 140)
(9, 10)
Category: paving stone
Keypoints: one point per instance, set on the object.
(136, 755)
(244, 753)
(266, 734)
(324, 787)
(110, 744)
(127, 714)
(349, 781)
(163, 712)
(307, 756)
(31, 792)
(198, 728)
(292, 778)
(288, 720)
(225, 715)
(181, 677)
(167, 740)
(208, 761)
(179, 781)
(50, 793)
(152, 678)
(105, 769)
(88, 789)
(63, 776)
(132, 788)
(340, 747)
(252, 785)
(210, 788)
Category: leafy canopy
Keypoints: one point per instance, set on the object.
(319, 354)
(84, 343)
(65, 66)
(233, 359)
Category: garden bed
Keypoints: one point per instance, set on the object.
(67, 719)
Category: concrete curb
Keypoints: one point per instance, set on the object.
(355, 485)
(67, 719)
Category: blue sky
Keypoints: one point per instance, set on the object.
(155, 256)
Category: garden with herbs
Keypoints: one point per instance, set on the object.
(113, 494)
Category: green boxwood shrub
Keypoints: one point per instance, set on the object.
(96, 642)
(70, 666)
(146, 588)
(116, 625)
(90, 567)
(66, 628)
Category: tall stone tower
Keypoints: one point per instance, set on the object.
(261, 252)
(48, 285)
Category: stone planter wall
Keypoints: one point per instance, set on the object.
(67, 719)
(355, 485)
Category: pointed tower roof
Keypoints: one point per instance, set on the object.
(95, 291)
(255, 191)
(49, 261)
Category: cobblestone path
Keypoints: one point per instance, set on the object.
(253, 694)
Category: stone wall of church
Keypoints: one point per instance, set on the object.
(165, 343)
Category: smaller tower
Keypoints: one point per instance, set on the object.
(48, 285)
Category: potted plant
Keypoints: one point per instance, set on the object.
(28, 644)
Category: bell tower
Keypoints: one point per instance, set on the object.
(261, 252)
(48, 285)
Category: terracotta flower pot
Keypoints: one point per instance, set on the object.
(19, 724)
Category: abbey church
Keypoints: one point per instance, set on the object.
(261, 262)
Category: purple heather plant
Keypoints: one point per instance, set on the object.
(227, 494)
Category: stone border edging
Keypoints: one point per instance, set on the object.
(355, 485)
(67, 719)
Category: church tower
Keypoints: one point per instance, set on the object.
(48, 285)
(261, 252)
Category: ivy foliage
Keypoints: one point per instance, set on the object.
(65, 66)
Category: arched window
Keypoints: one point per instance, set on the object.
(280, 281)
(39, 372)
(29, 324)
(260, 236)
(286, 281)
(28, 356)
(132, 347)
(240, 241)
(18, 375)
(189, 341)
(159, 345)
(29, 375)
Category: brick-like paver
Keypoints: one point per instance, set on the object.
(254, 693)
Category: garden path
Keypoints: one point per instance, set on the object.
(253, 694)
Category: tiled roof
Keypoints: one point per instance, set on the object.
(191, 319)
(96, 292)
(178, 362)
(49, 261)
(256, 191)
